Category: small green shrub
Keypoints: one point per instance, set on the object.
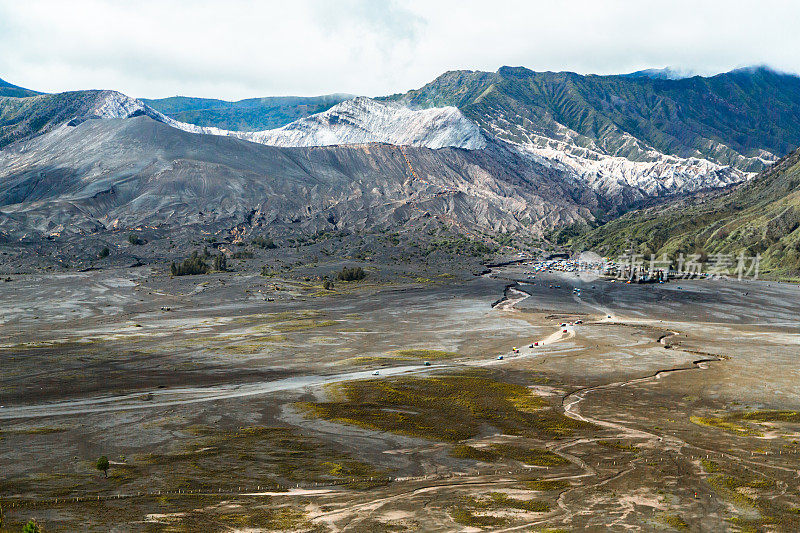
(190, 266)
(264, 242)
(220, 262)
(103, 464)
(31, 527)
(351, 274)
(462, 451)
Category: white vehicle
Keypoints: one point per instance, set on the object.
(376, 373)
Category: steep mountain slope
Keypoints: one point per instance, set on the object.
(743, 118)
(252, 114)
(110, 174)
(7, 89)
(363, 120)
(357, 121)
(25, 118)
(506, 151)
(761, 216)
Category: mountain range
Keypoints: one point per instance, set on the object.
(484, 152)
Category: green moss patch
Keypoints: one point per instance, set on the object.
(673, 520)
(447, 408)
(731, 426)
(425, 354)
(547, 484)
(475, 512)
(498, 452)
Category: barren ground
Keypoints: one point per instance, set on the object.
(227, 405)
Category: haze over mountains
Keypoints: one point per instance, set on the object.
(252, 114)
(513, 150)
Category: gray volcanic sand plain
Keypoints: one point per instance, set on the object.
(235, 402)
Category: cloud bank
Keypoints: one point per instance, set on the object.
(240, 48)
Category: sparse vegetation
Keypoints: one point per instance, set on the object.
(190, 266)
(500, 500)
(462, 451)
(618, 445)
(465, 512)
(105, 252)
(260, 454)
(465, 517)
(497, 452)
(674, 521)
(425, 354)
(458, 245)
(745, 423)
(102, 464)
(135, 240)
(243, 254)
(529, 456)
(220, 263)
(264, 242)
(351, 274)
(449, 408)
(31, 527)
(547, 484)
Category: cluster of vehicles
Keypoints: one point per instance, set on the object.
(567, 265)
(535, 344)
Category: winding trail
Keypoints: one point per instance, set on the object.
(571, 401)
(188, 395)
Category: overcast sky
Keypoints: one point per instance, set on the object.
(237, 49)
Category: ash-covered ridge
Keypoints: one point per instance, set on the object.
(362, 121)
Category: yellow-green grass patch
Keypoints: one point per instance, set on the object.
(447, 408)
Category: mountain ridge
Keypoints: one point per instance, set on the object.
(486, 143)
(102, 175)
(629, 117)
(9, 89)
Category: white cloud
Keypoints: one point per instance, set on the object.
(239, 48)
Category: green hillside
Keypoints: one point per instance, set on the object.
(759, 217)
(7, 89)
